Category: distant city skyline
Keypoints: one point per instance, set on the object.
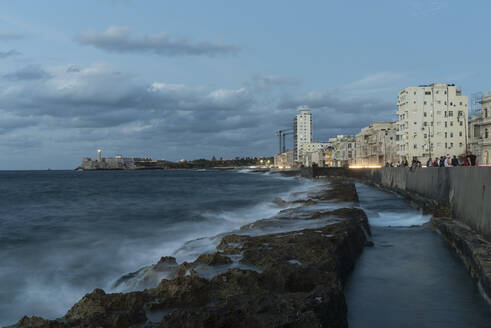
(193, 80)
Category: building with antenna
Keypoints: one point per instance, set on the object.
(432, 122)
(302, 131)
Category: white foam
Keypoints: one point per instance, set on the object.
(398, 219)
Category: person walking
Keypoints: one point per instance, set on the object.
(448, 161)
(429, 163)
(435, 162)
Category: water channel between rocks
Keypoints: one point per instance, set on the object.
(410, 278)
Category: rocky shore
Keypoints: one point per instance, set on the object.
(282, 278)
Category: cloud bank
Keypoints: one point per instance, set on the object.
(119, 39)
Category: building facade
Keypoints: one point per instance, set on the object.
(376, 144)
(343, 153)
(302, 132)
(284, 160)
(480, 132)
(485, 130)
(432, 122)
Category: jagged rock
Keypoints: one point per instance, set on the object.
(280, 202)
(213, 259)
(35, 322)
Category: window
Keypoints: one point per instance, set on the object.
(425, 123)
(445, 114)
(437, 91)
(446, 145)
(460, 144)
(450, 113)
(461, 123)
(451, 134)
(425, 102)
(460, 134)
(426, 136)
(451, 103)
(445, 123)
(424, 114)
(445, 134)
(415, 146)
(486, 133)
(485, 112)
(428, 93)
(460, 103)
(451, 123)
(451, 145)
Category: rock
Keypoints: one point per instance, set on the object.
(280, 202)
(34, 322)
(167, 260)
(213, 259)
(369, 243)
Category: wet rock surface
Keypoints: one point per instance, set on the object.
(283, 279)
(473, 249)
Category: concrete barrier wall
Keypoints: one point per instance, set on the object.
(466, 189)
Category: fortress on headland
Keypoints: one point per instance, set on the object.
(121, 163)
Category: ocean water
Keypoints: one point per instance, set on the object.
(64, 233)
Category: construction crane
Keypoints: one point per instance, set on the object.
(281, 134)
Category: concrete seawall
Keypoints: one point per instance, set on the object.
(465, 190)
(459, 199)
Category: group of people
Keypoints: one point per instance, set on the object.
(445, 161)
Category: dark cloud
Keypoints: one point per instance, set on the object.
(119, 39)
(31, 72)
(72, 69)
(92, 107)
(8, 36)
(10, 53)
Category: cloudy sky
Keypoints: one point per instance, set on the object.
(192, 79)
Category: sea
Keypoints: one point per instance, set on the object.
(64, 233)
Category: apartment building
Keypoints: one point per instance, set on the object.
(302, 131)
(432, 122)
(376, 144)
(343, 150)
(480, 132)
(485, 130)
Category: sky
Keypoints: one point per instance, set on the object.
(196, 79)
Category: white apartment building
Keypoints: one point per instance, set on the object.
(302, 131)
(432, 121)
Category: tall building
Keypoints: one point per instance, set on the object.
(432, 122)
(302, 131)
